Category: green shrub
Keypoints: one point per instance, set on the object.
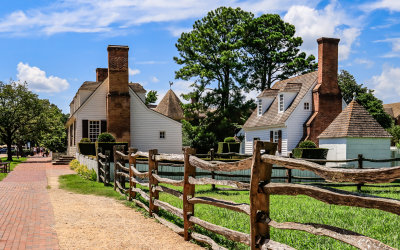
(229, 139)
(310, 153)
(74, 164)
(307, 144)
(106, 137)
(398, 145)
(85, 140)
(87, 148)
(225, 147)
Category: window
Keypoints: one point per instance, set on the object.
(276, 136)
(94, 130)
(162, 134)
(281, 107)
(306, 106)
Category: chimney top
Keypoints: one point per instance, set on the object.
(117, 47)
(101, 74)
(328, 40)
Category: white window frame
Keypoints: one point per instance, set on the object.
(93, 133)
(306, 106)
(259, 107)
(162, 135)
(281, 103)
(276, 136)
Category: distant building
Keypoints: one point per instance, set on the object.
(298, 108)
(112, 104)
(393, 109)
(353, 132)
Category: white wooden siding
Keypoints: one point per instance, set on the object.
(295, 123)
(337, 149)
(264, 135)
(146, 125)
(93, 109)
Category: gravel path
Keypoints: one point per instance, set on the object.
(94, 222)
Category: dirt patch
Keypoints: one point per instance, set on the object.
(94, 222)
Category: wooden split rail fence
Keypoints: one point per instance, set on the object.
(103, 163)
(260, 187)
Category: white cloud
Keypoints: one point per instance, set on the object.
(332, 21)
(133, 72)
(38, 81)
(110, 16)
(368, 63)
(395, 47)
(391, 5)
(177, 31)
(387, 84)
(154, 79)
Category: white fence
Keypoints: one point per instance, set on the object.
(88, 161)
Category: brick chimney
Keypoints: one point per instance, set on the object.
(327, 98)
(118, 99)
(101, 74)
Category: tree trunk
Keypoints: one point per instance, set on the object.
(9, 153)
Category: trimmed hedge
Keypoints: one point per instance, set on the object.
(229, 139)
(228, 147)
(310, 153)
(87, 148)
(105, 146)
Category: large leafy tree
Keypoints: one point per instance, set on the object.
(19, 110)
(273, 51)
(351, 89)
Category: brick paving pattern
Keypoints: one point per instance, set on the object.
(26, 214)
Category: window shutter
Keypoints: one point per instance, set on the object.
(271, 136)
(279, 141)
(103, 126)
(85, 129)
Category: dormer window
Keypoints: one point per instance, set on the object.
(259, 107)
(306, 106)
(281, 103)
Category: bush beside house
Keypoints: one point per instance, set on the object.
(228, 146)
(308, 150)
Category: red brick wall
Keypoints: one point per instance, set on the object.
(101, 74)
(327, 98)
(118, 99)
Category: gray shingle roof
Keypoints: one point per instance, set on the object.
(170, 106)
(354, 121)
(271, 117)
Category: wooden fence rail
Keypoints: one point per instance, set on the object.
(103, 163)
(258, 209)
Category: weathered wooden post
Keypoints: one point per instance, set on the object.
(188, 191)
(99, 167)
(259, 200)
(153, 169)
(360, 166)
(115, 166)
(132, 161)
(107, 174)
(212, 157)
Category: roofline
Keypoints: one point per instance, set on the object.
(283, 125)
(370, 137)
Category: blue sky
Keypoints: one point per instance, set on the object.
(57, 45)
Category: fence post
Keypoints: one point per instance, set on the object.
(99, 166)
(115, 166)
(212, 157)
(259, 200)
(188, 191)
(153, 169)
(107, 174)
(289, 172)
(132, 161)
(360, 166)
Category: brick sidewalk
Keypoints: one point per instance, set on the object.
(26, 214)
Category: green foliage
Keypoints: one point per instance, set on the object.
(395, 132)
(227, 147)
(106, 137)
(87, 148)
(398, 145)
(53, 135)
(310, 153)
(198, 137)
(151, 97)
(83, 170)
(364, 96)
(307, 144)
(273, 52)
(227, 52)
(85, 140)
(229, 139)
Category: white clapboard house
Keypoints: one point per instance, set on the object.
(112, 104)
(299, 108)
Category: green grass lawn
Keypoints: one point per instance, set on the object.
(374, 223)
(14, 163)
